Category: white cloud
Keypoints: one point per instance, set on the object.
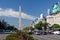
(12, 13)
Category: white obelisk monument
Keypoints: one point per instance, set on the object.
(20, 22)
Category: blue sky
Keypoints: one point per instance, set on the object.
(14, 4)
(30, 7)
(35, 7)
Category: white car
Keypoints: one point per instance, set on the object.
(56, 32)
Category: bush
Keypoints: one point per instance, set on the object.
(10, 38)
(20, 36)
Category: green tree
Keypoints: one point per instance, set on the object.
(56, 26)
(2, 24)
(45, 25)
(39, 25)
(5, 26)
(11, 28)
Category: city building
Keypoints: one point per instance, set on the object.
(54, 16)
(41, 18)
(37, 20)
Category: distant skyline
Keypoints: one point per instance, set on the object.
(30, 7)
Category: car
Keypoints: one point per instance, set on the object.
(56, 32)
(43, 33)
(37, 33)
(49, 32)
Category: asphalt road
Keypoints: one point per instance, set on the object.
(3, 36)
(47, 37)
(39, 37)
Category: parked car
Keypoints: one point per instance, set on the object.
(50, 32)
(37, 32)
(43, 33)
(40, 32)
(2, 30)
(56, 32)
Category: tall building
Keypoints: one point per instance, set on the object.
(54, 16)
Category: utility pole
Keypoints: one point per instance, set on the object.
(20, 22)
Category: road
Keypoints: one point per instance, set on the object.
(3, 36)
(39, 37)
(47, 37)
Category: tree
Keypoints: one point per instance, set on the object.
(2, 24)
(11, 28)
(39, 26)
(56, 26)
(45, 25)
(5, 26)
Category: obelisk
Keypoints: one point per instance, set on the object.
(20, 22)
